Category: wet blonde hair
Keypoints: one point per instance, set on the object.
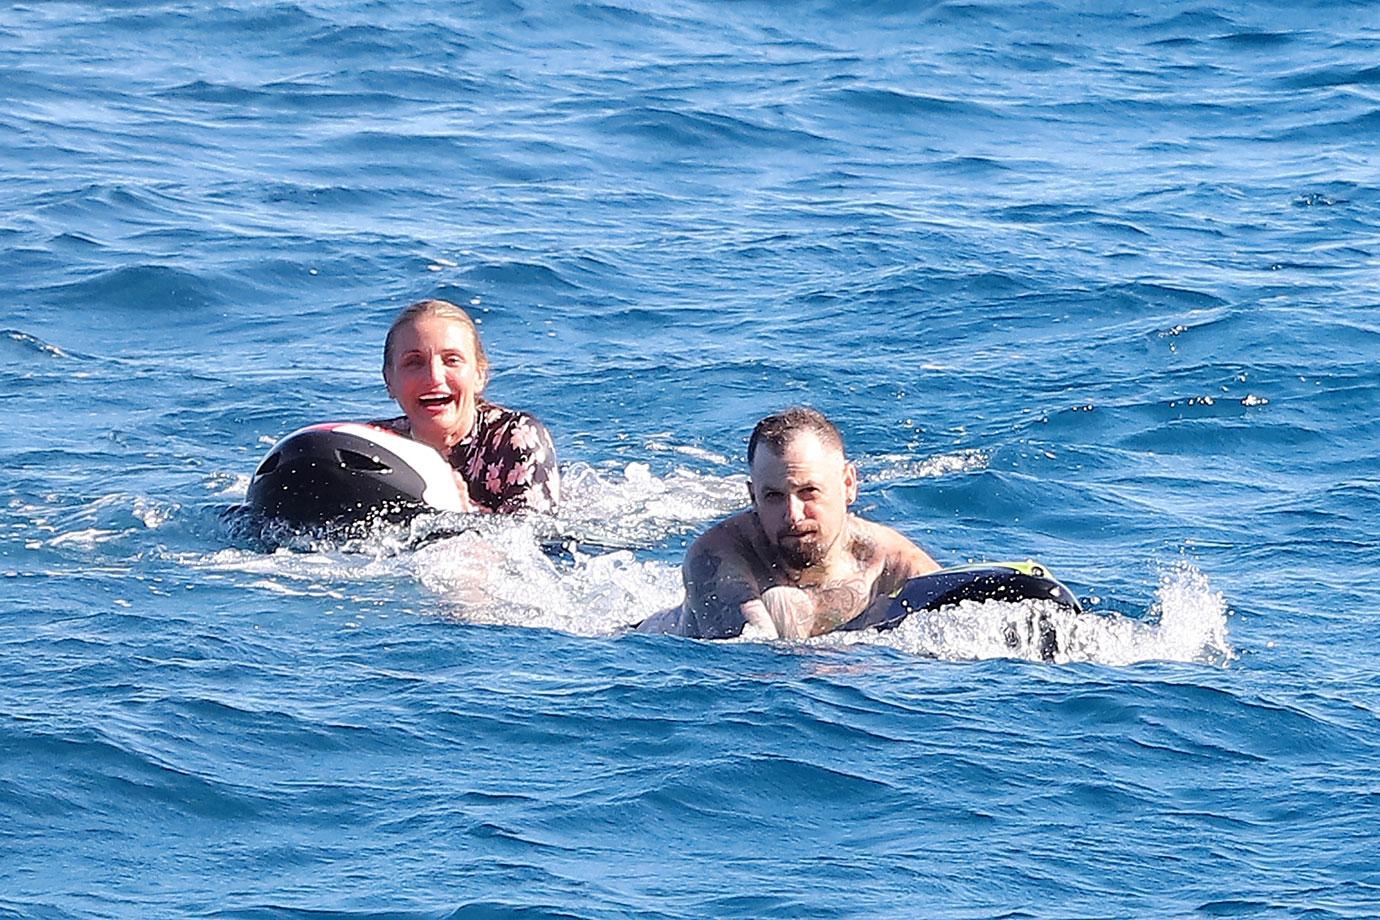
(442, 309)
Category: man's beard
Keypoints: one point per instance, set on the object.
(800, 551)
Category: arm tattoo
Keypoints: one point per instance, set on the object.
(702, 569)
(715, 599)
(836, 604)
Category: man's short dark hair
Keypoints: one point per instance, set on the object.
(776, 431)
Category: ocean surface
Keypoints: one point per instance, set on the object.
(1096, 284)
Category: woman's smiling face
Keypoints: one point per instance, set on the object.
(435, 376)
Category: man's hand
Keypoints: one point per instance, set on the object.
(796, 613)
(789, 613)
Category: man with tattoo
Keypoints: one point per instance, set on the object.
(797, 563)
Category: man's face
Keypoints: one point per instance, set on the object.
(801, 496)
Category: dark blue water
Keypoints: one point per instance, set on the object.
(1089, 283)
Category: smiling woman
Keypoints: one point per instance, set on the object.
(435, 367)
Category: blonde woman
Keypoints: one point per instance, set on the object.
(435, 367)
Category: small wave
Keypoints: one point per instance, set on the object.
(1271, 40)
(25, 344)
(323, 98)
(203, 92)
(619, 17)
(413, 152)
(94, 203)
(147, 289)
(327, 198)
(897, 103)
(1194, 22)
(527, 274)
(123, 765)
(361, 42)
(1317, 78)
(409, 82)
(970, 166)
(72, 241)
(702, 130)
(1160, 294)
(1360, 126)
(252, 23)
(1071, 215)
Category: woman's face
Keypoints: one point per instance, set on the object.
(435, 378)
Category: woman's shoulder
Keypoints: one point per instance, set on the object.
(514, 433)
(492, 415)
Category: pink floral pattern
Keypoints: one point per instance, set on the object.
(508, 460)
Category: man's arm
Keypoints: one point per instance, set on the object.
(719, 585)
(912, 561)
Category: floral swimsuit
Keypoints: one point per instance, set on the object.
(507, 459)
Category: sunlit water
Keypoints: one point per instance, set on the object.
(1089, 284)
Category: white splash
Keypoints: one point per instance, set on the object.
(85, 538)
(578, 575)
(631, 507)
(663, 444)
(231, 485)
(152, 513)
(505, 577)
(903, 466)
(1186, 622)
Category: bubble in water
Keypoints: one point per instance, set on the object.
(153, 514)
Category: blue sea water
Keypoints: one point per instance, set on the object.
(1091, 283)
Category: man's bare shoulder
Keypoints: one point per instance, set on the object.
(893, 548)
(731, 536)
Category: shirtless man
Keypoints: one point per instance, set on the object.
(797, 563)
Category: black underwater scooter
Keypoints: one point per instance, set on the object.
(1011, 582)
(346, 474)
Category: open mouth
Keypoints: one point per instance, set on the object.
(435, 401)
